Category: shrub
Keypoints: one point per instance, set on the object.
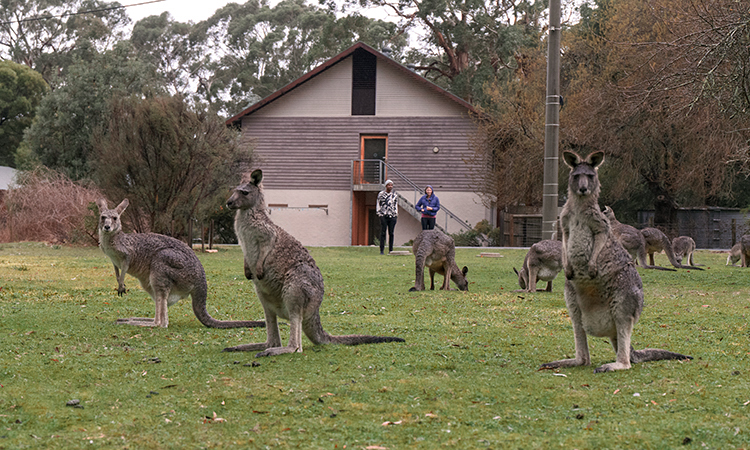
(47, 206)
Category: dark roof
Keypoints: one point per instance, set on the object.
(337, 59)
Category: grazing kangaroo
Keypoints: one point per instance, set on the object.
(286, 278)
(734, 255)
(543, 262)
(166, 267)
(657, 241)
(603, 291)
(683, 248)
(631, 239)
(437, 251)
(745, 250)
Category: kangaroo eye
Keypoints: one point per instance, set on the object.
(244, 192)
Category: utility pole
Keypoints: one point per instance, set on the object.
(552, 124)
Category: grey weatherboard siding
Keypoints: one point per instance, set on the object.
(316, 153)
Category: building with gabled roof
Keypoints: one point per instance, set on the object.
(327, 142)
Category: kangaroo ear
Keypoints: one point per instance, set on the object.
(595, 159)
(571, 159)
(256, 176)
(102, 204)
(121, 207)
(465, 270)
(515, 270)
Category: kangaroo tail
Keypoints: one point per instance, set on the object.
(654, 354)
(646, 266)
(357, 339)
(199, 308)
(642, 261)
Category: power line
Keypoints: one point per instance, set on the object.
(47, 17)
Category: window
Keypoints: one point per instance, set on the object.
(364, 65)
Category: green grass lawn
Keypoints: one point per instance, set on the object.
(467, 376)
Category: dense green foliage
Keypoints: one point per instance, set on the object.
(61, 136)
(21, 90)
(467, 376)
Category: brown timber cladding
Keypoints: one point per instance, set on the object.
(317, 152)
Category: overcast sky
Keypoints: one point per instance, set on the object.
(181, 10)
(198, 10)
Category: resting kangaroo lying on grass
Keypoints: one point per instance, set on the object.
(287, 280)
(437, 251)
(603, 291)
(166, 267)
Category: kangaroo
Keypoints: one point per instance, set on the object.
(656, 241)
(683, 248)
(603, 291)
(631, 239)
(745, 250)
(437, 251)
(286, 278)
(166, 267)
(734, 255)
(543, 262)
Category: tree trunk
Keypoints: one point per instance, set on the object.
(665, 214)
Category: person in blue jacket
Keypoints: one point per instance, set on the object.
(428, 205)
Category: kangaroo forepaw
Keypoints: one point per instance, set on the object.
(121, 291)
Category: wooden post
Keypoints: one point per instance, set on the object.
(552, 124)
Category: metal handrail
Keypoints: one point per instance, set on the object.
(387, 171)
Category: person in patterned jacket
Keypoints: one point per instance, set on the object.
(387, 210)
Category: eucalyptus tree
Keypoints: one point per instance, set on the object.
(67, 117)
(250, 50)
(168, 45)
(48, 35)
(466, 43)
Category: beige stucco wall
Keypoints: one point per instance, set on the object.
(399, 96)
(314, 227)
(327, 95)
(330, 95)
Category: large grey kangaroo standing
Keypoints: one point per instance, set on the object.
(543, 262)
(166, 267)
(286, 278)
(437, 251)
(603, 291)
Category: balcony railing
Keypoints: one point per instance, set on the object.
(374, 173)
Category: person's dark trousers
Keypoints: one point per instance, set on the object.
(387, 223)
(428, 223)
